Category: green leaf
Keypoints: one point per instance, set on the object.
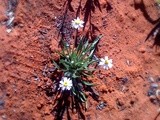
(80, 45)
(86, 44)
(65, 64)
(88, 83)
(91, 53)
(56, 65)
(75, 76)
(82, 99)
(86, 74)
(91, 48)
(67, 74)
(73, 91)
(83, 96)
(96, 41)
(65, 44)
(73, 56)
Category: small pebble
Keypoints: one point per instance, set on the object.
(153, 99)
(158, 94)
(142, 50)
(101, 76)
(47, 111)
(101, 105)
(4, 117)
(10, 14)
(2, 103)
(124, 80)
(39, 106)
(150, 79)
(158, 79)
(151, 92)
(155, 32)
(154, 85)
(9, 30)
(128, 62)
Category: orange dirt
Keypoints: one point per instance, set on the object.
(25, 56)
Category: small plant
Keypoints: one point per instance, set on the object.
(76, 64)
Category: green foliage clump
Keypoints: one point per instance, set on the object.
(75, 63)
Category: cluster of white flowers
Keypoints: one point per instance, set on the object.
(65, 83)
(106, 63)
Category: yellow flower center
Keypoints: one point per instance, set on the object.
(65, 84)
(77, 21)
(106, 61)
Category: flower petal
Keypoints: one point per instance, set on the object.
(105, 67)
(102, 60)
(101, 63)
(110, 65)
(106, 57)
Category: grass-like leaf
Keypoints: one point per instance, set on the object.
(88, 83)
(75, 64)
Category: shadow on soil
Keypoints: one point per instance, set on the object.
(64, 23)
(155, 32)
(89, 8)
(65, 103)
(142, 7)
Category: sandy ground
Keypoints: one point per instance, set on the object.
(26, 52)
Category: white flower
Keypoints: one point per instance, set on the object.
(77, 23)
(65, 83)
(106, 63)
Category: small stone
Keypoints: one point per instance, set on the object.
(8, 94)
(150, 79)
(10, 14)
(158, 79)
(21, 25)
(3, 17)
(103, 3)
(158, 110)
(154, 85)
(47, 111)
(9, 30)
(101, 76)
(124, 80)
(2, 103)
(158, 94)
(153, 99)
(128, 62)
(151, 92)
(101, 105)
(39, 106)
(142, 50)
(4, 117)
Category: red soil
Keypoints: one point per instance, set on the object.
(25, 54)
